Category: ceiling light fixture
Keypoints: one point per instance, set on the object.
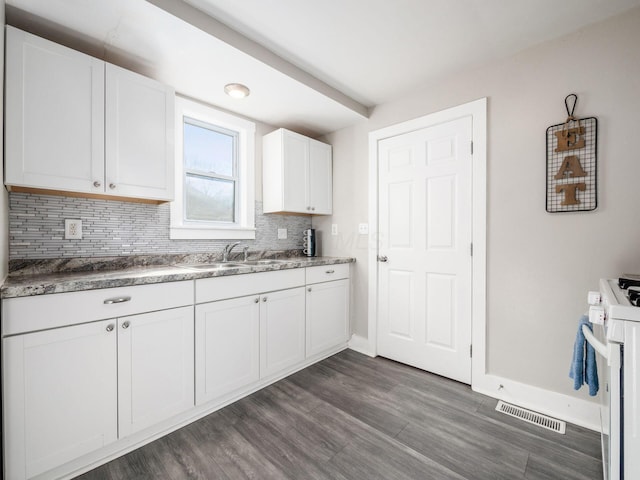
(236, 90)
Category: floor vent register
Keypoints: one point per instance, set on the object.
(532, 417)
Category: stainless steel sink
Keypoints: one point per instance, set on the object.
(265, 262)
(213, 266)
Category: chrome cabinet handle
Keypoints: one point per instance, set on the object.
(256, 300)
(110, 301)
(96, 184)
(330, 271)
(110, 327)
(112, 186)
(125, 324)
(383, 258)
(264, 299)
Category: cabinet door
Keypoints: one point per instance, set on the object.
(227, 346)
(54, 107)
(282, 337)
(320, 178)
(139, 143)
(155, 367)
(60, 389)
(295, 155)
(327, 316)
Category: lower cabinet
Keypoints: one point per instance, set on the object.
(243, 340)
(281, 330)
(155, 367)
(327, 306)
(69, 390)
(60, 387)
(227, 346)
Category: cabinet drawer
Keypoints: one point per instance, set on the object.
(28, 314)
(232, 286)
(326, 273)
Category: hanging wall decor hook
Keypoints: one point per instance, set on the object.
(571, 109)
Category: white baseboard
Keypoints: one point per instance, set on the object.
(360, 345)
(564, 407)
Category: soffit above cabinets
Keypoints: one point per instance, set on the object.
(150, 40)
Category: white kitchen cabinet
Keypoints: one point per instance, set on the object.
(60, 396)
(227, 346)
(155, 367)
(54, 110)
(282, 330)
(297, 174)
(139, 136)
(100, 371)
(327, 316)
(77, 124)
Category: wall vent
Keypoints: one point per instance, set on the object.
(532, 417)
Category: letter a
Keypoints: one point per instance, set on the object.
(571, 168)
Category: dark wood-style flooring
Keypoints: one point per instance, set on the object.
(355, 417)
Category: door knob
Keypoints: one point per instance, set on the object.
(383, 258)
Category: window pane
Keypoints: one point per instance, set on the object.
(209, 199)
(208, 150)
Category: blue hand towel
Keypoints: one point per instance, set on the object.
(583, 365)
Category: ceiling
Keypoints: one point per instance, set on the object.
(314, 67)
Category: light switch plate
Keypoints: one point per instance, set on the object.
(363, 229)
(334, 229)
(72, 229)
(282, 233)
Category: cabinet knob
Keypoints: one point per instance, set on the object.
(125, 324)
(256, 300)
(264, 299)
(309, 289)
(308, 208)
(110, 327)
(313, 208)
(96, 184)
(112, 186)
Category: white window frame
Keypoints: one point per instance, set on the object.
(244, 226)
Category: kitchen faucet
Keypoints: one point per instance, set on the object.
(227, 251)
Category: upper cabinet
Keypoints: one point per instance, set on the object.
(296, 174)
(77, 124)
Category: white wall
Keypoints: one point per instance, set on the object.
(540, 265)
(4, 202)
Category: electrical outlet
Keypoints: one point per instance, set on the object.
(363, 229)
(334, 229)
(282, 233)
(72, 229)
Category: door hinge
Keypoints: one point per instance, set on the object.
(470, 351)
(471, 147)
(471, 248)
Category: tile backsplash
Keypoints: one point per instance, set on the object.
(111, 228)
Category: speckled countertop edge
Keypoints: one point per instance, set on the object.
(42, 284)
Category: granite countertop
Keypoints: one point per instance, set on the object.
(51, 277)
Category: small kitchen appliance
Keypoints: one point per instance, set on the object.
(309, 242)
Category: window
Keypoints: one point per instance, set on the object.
(214, 174)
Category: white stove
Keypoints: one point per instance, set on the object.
(620, 362)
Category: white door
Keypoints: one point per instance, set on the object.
(227, 346)
(61, 390)
(424, 247)
(295, 150)
(54, 107)
(282, 338)
(327, 316)
(320, 178)
(139, 136)
(155, 367)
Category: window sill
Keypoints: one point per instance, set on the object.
(202, 233)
